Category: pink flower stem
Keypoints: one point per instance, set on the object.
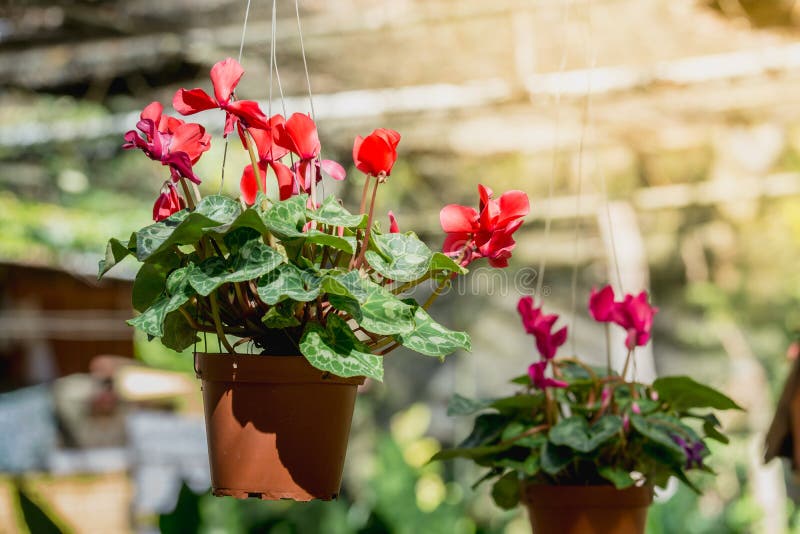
(627, 362)
(608, 348)
(360, 259)
(364, 192)
(187, 194)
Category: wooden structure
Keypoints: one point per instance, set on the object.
(53, 322)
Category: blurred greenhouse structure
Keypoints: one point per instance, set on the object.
(668, 133)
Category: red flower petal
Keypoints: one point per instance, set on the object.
(248, 185)
(188, 102)
(192, 139)
(249, 113)
(285, 178)
(513, 205)
(299, 134)
(152, 111)
(455, 218)
(225, 75)
(454, 243)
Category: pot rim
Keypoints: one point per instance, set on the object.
(253, 368)
(588, 496)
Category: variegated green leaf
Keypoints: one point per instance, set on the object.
(115, 253)
(287, 217)
(254, 260)
(442, 262)
(321, 238)
(179, 292)
(280, 316)
(332, 213)
(431, 338)
(287, 281)
(185, 227)
(383, 313)
(337, 350)
(403, 257)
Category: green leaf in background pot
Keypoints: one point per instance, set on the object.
(337, 350)
(683, 393)
(487, 428)
(460, 405)
(505, 491)
(554, 458)
(576, 433)
(288, 282)
(661, 428)
(431, 338)
(406, 257)
(332, 213)
(616, 475)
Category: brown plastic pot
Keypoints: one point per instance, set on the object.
(277, 427)
(587, 509)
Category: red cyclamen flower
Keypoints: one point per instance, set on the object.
(171, 141)
(268, 153)
(536, 372)
(486, 233)
(376, 153)
(167, 203)
(634, 314)
(298, 134)
(540, 326)
(225, 76)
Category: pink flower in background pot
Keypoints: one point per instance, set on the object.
(540, 326)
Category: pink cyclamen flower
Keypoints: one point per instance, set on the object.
(536, 372)
(633, 313)
(394, 228)
(225, 76)
(540, 326)
(376, 153)
(486, 233)
(169, 140)
(167, 203)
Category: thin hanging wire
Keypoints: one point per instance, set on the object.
(556, 136)
(587, 103)
(303, 52)
(308, 86)
(241, 49)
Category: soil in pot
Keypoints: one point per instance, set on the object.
(277, 427)
(587, 509)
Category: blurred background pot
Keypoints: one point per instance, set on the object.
(277, 427)
(587, 509)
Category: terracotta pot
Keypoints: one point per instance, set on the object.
(277, 427)
(587, 509)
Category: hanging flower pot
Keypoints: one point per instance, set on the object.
(277, 427)
(289, 273)
(587, 509)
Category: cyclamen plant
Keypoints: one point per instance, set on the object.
(573, 424)
(280, 269)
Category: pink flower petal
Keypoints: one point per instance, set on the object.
(188, 102)
(456, 218)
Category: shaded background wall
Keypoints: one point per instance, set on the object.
(677, 121)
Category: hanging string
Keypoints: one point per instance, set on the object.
(579, 193)
(556, 136)
(303, 52)
(241, 49)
